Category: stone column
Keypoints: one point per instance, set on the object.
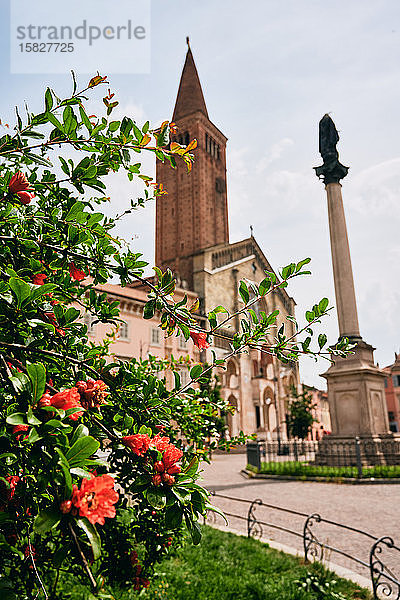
(356, 392)
(342, 272)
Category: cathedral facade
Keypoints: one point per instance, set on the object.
(192, 239)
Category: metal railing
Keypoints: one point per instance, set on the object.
(357, 457)
(385, 584)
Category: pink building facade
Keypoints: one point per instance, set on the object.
(137, 337)
(392, 393)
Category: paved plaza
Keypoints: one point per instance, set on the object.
(372, 508)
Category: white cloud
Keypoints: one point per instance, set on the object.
(275, 152)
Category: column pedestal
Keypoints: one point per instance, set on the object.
(356, 395)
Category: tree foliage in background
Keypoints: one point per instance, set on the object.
(300, 417)
(99, 460)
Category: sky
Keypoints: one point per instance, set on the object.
(270, 69)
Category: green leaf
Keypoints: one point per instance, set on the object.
(244, 292)
(92, 534)
(322, 339)
(81, 450)
(194, 530)
(302, 263)
(173, 516)
(48, 99)
(149, 309)
(8, 458)
(156, 497)
(5, 518)
(310, 316)
(191, 470)
(55, 424)
(46, 520)
(67, 479)
(82, 473)
(80, 431)
(17, 419)
(33, 436)
(196, 371)
(37, 375)
(60, 556)
(71, 314)
(53, 119)
(323, 304)
(63, 463)
(20, 382)
(42, 290)
(216, 510)
(264, 286)
(74, 211)
(32, 420)
(21, 289)
(219, 309)
(85, 119)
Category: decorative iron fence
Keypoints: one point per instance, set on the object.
(381, 567)
(357, 457)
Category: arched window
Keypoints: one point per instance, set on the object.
(232, 375)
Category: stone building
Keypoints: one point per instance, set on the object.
(192, 239)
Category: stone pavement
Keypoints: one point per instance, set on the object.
(372, 508)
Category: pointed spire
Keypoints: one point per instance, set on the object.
(190, 95)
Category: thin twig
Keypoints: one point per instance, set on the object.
(83, 557)
(35, 569)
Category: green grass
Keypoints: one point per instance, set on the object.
(303, 469)
(230, 567)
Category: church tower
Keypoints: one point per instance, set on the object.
(193, 215)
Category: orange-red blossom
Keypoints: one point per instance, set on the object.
(200, 339)
(20, 185)
(94, 500)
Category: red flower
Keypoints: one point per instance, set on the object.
(96, 498)
(12, 480)
(39, 278)
(160, 443)
(66, 506)
(156, 479)
(200, 339)
(133, 557)
(171, 456)
(139, 582)
(26, 197)
(18, 183)
(27, 551)
(64, 400)
(159, 466)
(17, 429)
(76, 273)
(168, 479)
(45, 400)
(138, 443)
(7, 492)
(174, 470)
(93, 393)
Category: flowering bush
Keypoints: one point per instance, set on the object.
(99, 460)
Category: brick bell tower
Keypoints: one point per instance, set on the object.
(193, 215)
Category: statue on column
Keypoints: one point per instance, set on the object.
(332, 171)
